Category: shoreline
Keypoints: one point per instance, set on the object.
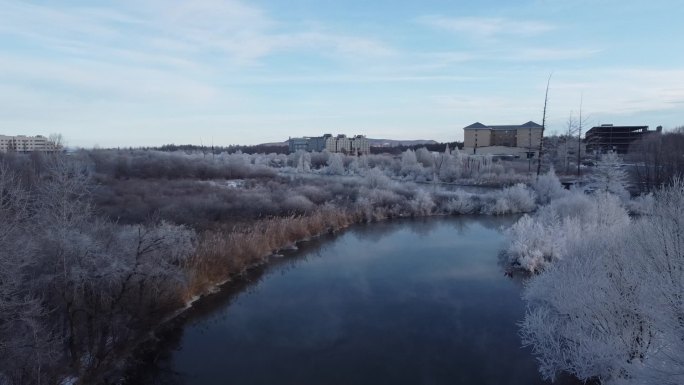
(149, 347)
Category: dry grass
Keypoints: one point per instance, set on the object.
(222, 254)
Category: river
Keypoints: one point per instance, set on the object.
(398, 302)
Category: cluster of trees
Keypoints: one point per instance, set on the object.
(423, 165)
(397, 150)
(204, 192)
(606, 301)
(420, 165)
(276, 148)
(282, 148)
(75, 288)
(538, 241)
(657, 158)
(561, 151)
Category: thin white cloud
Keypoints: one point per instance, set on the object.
(352, 79)
(246, 34)
(81, 79)
(550, 54)
(239, 32)
(486, 27)
(622, 90)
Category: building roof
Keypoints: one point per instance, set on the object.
(475, 126)
(609, 128)
(531, 124)
(480, 126)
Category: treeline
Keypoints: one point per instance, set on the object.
(397, 150)
(146, 164)
(209, 150)
(657, 159)
(283, 148)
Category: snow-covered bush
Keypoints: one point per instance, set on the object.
(297, 204)
(535, 242)
(422, 203)
(612, 309)
(511, 200)
(642, 204)
(377, 179)
(520, 199)
(548, 187)
(461, 202)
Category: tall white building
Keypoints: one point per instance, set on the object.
(356, 145)
(23, 143)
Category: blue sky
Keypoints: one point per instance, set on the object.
(138, 73)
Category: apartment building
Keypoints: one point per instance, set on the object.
(23, 143)
(522, 139)
(356, 145)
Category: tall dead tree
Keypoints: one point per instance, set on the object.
(579, 137)
(541, 140)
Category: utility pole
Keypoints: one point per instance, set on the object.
(541, 140)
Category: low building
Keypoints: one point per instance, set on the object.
(23, 143)
(356, 145)
(520, 140)
(607, 137)
(296, 144)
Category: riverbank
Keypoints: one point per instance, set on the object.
(224, 255)
(426, 269)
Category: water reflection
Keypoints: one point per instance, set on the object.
(401, 302)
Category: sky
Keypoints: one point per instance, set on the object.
(145, 73)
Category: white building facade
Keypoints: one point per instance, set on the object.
(519, 140)
(356, 145)
(23, 143)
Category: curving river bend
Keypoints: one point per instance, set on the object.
(396, 302)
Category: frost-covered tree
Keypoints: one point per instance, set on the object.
(409, 164)
(375, 179)
(75, 288)
(335, 164)
(452, 168)
(439, 161)
(608, 175)
(424, 157)
(303, 161)
(656, 248)
(26, 343)
(613, 307)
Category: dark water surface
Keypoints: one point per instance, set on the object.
(397, 302)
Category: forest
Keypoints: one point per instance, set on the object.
(100, 247)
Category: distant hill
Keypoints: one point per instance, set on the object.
(397, 143)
